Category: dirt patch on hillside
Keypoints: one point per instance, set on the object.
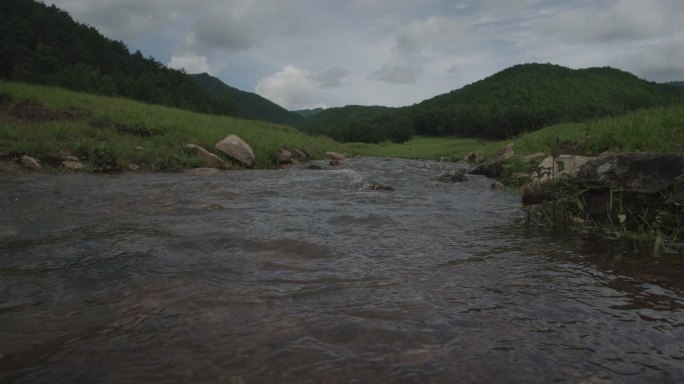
(27, 111)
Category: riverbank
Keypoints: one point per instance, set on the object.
(106, 134)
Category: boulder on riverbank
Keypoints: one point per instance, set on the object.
(551, 169)
(238, 150)
(210, 160)
(494, 167)
(633, 190)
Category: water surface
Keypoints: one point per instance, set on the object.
(310, 276)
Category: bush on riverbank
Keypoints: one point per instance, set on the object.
(111, 133)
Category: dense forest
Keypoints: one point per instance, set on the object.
(519, 99)
(43, 44)
(528, 97)
(247, 105)
(360, 123)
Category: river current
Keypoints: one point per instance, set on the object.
(312, 276)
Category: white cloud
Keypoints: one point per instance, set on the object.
(191, 64)
(290, 88)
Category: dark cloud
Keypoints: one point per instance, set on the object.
(331, 78)
(399, 74)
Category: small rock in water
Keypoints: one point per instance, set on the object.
(453, 176)
(375, 186)
(335, 156)
(315, 167)
(497, 186)
(205, 172)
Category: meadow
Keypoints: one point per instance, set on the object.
(110, 133)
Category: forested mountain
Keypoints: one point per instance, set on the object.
(527, 97)
(359, 123)
(43, 44)
(679, 84)
(247, 105)
(306, 113)
(521, 98)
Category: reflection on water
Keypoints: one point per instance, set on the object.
(307, 277)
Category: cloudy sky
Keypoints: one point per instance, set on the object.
(308, 53)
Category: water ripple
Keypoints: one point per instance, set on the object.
(305, 276)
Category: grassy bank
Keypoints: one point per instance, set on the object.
(425, 147)
(659, 130)
(660, 221)
(111, 133)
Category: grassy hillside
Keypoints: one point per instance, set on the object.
(42, 44)
(658, 129)
(247, 105)
(531, 96)
(108, 134)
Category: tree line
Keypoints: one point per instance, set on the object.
(356, 123)
(43, 44)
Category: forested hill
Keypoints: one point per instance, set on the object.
(247, 105)
(527, 97)
(370, 124)
(43, 44)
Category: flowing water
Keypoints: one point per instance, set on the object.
(304, 276)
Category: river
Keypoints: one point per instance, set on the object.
(310, 276)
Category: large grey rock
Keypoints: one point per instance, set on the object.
(210, 159)
(238, 150)
(629, 188)
(494, 167)
(552, 168)
(647, 173)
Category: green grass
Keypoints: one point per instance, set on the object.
(110, 133)
(429, 148)
(659, 130)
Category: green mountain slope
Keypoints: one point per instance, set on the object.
(247, 105)
(528, 97)
(306, 113)
(43, 44)
(370, 124)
